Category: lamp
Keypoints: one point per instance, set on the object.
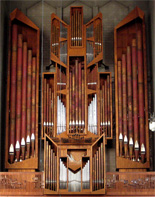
(152, 122)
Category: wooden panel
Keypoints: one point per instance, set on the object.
(130, 183)
(21, 183)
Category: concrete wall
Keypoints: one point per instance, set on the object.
(152, 44)
(3, 73)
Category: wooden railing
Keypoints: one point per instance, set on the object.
(130, 183)
(21, 183)
(117, 183)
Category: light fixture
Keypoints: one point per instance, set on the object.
(152, 122)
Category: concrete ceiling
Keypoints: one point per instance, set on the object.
(57, 3)
(64, 3)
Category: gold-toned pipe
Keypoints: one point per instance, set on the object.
(97, 177)
(46, 165)
(120, 144)
(99, 159)
(80, 30)
(54, 39)
(23, 151)
(101, 111)
(108, 102)
(51, 169)
(49, 165)
(57, 40)
(100, 41)
(55, 172)
(28, 150)
(97, 39)
(95, 158)
(74, 28)
(93, 173)
(47, 109)
(102, 166)
(78, 37)
(70, 95)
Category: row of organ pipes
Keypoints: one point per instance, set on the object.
(76, 98)
(86, 176)
(76, 93)
(98, 38)
(48, 108)
(74, 181)
(50, 167)
(105, 105)
(90, 51)
(131, 115)
(92, 98)
(98, 168)
(89, 44)
(61, 107)
(22, 124)
(61, 78)
(92, 115)
(76, 27)
(92, 78)
(74, 178)
(55, 39)
(63, 175)
(61, 115)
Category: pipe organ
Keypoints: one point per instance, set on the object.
(76, 101)
(132, 135)
(22, 94)
(71, 97)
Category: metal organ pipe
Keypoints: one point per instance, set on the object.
(86, 176)
(92, 115)
(63, 175)
(61, 116)
(74, 181)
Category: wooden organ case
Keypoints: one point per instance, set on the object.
(73, 97)
(76, 109)
(132, 134)
(22, 94)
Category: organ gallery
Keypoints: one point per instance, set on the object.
(65, 116)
